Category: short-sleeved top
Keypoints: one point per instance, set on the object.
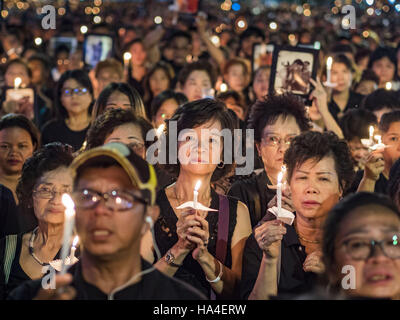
(58, 131)
(148, 288)
(255, 194)
(293, 279)
(354, 101)
(166, 236)
(381, 184)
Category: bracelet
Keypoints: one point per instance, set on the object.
(219, 276)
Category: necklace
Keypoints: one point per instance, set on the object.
(304, 239)
(31, 251)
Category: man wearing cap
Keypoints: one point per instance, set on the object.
(114, 195)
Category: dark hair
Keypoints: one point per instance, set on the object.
(197, 66)
(180, 34)
(394, 182)
(343, 209)
(361, 54)
(79, 76)
(341, 58)
(266, 112)
(20, 62)
(194, 114)
(61, 48)
(387, 119)
(234, 62)
(106, 123)
(316, 146)
(109, 63)
(355, 123)
(380, 99)
(381, 53)
(369, 75)
(50, 157)
(341, 49)
(223, 96)
(251, 31)
(132, 42)
(134, 98)
(158, 100)
(161, 65)
(13, 120)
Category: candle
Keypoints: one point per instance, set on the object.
(388, 86)
(279, 192)
(328, 69)
(196, 193)
(17, 82)
(127, 59)
(68, 228)
(371, 134)
(73, 249)
(160, 130)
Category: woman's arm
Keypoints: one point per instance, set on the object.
(267, 280)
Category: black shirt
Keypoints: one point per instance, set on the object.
(58, 131)
(381, 184)
(354, 101)
(8, 219)
(152, 286)
(293, 279)
(255, 194)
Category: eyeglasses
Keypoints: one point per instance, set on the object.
(136, 147)
(274, 141)
(115, 200)
(362, 249)
(68, 92)
(47, 193)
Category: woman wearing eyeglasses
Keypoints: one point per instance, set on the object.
(45, 177)
(74, 100)
(276, 121)
(361, 247)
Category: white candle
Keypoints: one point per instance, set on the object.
(69, 222)
(371, 135)
(279, 192)
(73, 249)
(160, 130)
(127, 59)
(17, 82)
(388, 86)
(196, 193)
(328, 69)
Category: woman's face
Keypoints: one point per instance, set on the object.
(261, 83)
(391, 138)
(47, 205)
(15, 147)
(366, 87)
(270, 150)
(197, 81)
(200, 149)
(236, 77)
(131, 135)
(138, 53)
(377, 275)
(342, 76)
(315, 188)
(16, 70)
(37, 70)
(106, 76)
(165, 112)
(358, 151)
(159, 82)
(118, 100)
(75, 103)
(384, 69)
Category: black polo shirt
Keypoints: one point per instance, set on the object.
(255, 194)
(293, 279)
(153, 286)
(354, 101)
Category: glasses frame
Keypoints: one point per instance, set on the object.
(77, 91)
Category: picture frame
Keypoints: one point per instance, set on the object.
(55, 42)
(97, 47)
(262, 55)
(291, 69)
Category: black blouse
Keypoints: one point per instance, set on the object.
(354, 101)
(166, 236)
(293, 279)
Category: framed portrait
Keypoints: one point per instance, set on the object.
(262, 55)
(70, 42)
(96, 48)
(291, 70)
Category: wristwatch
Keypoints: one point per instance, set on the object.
(170, 258)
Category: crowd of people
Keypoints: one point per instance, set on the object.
(332, 158)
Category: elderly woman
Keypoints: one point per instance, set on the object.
(45, 177)
(276, 121)
(281, 259)
(202, 248)
(353, 231)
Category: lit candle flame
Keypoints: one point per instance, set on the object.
(388, 86)
(329, 63)
(75, 242)
(17, 82)
(68, 204)
(371, 131)
(197, 186)
(160, 130)
(127, 56)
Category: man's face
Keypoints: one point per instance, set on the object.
(247, 44)
(105, 233)
(181, 48)
(391, 139)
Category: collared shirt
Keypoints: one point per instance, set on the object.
(354, 101)
(148, 288)
(292, 280)
(255, 194)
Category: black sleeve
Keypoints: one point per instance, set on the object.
(8, 213)
(240, 192)
(252, 257)
(356, 182)
(26, 291)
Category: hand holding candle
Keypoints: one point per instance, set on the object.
(69, 222)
